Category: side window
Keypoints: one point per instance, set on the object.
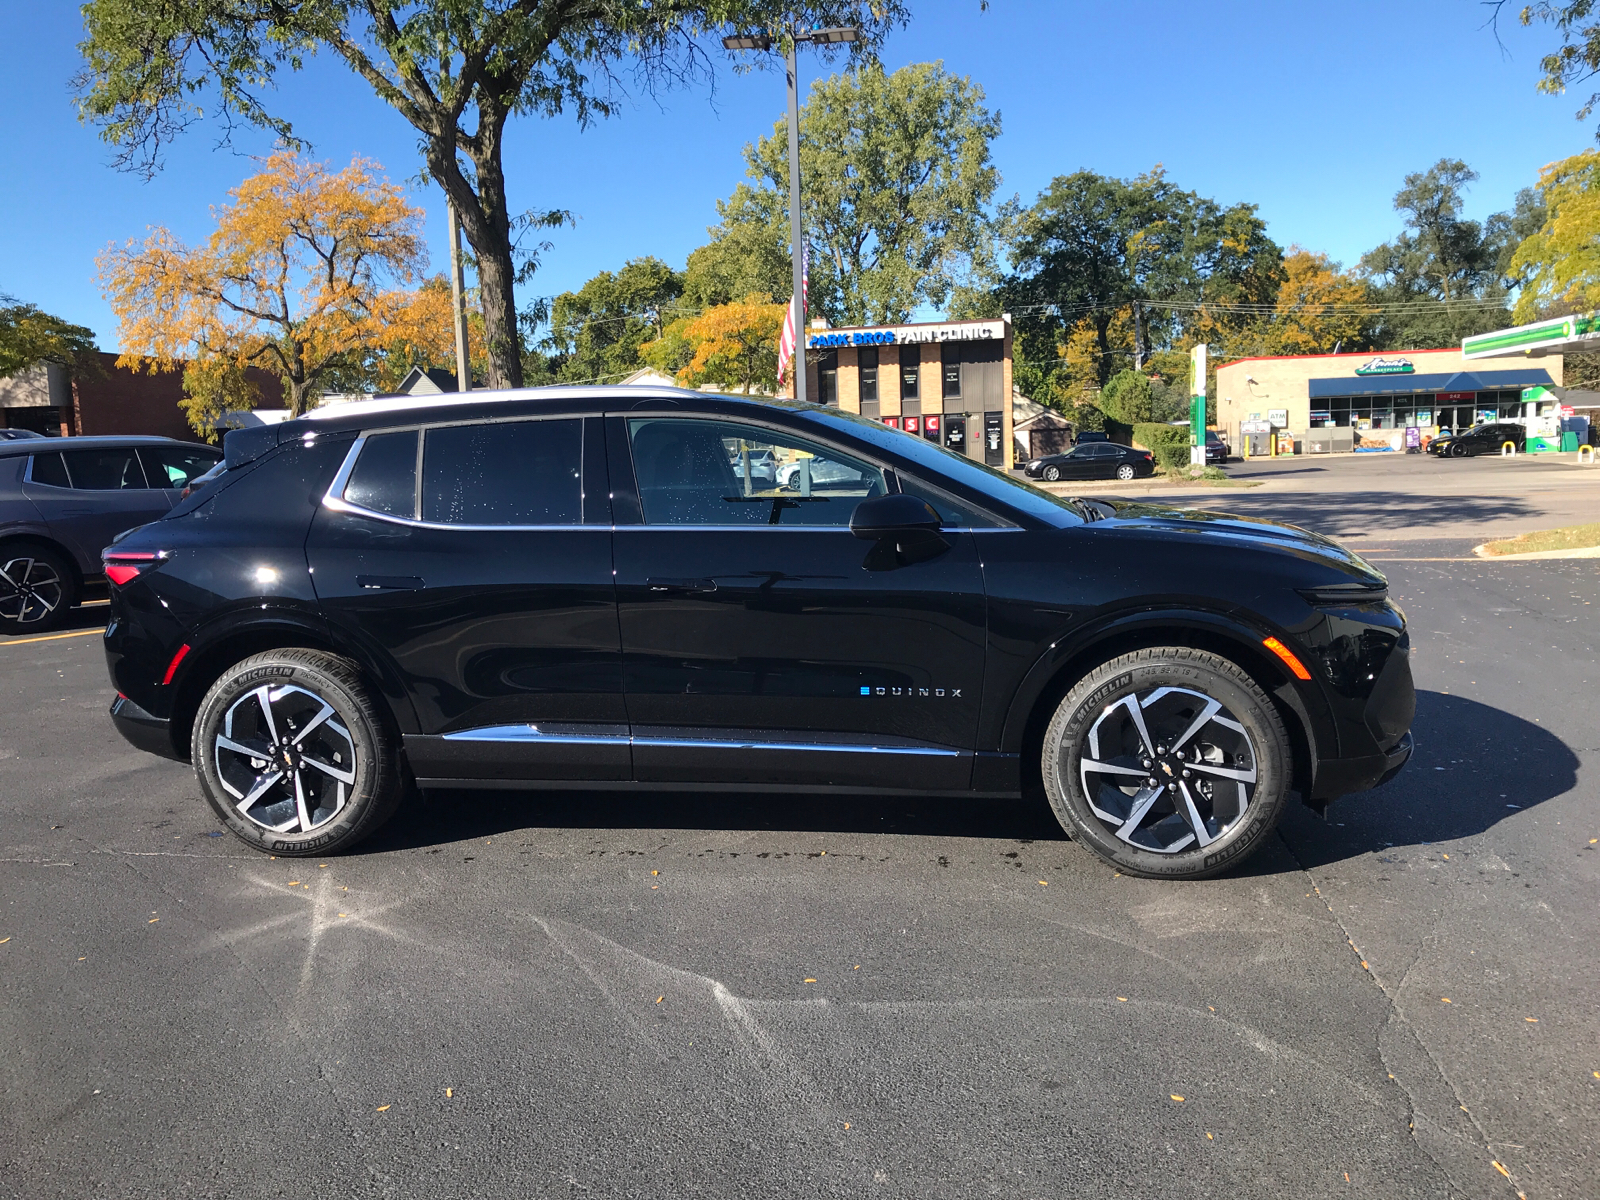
(721, 473)
(48, 468)
(385, 475)
(504, 473)
(953, 513)
(176, 466)
(104, 470)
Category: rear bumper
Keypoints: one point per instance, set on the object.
(142, 730)
(1340, 776)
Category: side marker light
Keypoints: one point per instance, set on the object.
(1287, 655)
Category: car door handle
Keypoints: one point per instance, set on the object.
(666, 586)
(390, 583)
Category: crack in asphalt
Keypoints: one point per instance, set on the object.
(1397, 1017)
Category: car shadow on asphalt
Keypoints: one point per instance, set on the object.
(1474, 766)
(1353, 514)
(88, 616)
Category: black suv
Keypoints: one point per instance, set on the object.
(587, 587)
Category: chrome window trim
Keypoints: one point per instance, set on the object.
(27, 472)
(531, 734)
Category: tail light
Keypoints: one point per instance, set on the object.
(122, 567)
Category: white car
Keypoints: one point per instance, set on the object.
(822, 472)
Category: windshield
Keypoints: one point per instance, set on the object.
(1003, 488)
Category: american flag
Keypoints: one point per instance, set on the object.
(794, 321)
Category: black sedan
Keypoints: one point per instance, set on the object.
(1480, 439)
(593, 587)
(1093, 460)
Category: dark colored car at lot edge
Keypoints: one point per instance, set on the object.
(1092, 460)
(63, 500)
(587, 588)
(1480, 439)
(1217, 450)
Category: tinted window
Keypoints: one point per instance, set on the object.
(176, 466)
(953, 513)
(47, 468)
(385, 476)
(721, 473)
(507, 473)
(104, 470)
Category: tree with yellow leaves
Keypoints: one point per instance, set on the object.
(306, 276)
(1318, 307)
(1561, 262)
(729, 346)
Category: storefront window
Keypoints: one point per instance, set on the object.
(910, 375)
(828, 378)
(1321, 418)
(867, 374)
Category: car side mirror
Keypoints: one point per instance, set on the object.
(898, 516)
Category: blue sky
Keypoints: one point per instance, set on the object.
(1314, 112)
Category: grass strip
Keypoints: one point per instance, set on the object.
(1573, 537)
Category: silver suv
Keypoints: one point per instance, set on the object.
(63, 500)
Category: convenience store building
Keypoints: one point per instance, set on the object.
(947, 381)
(1367, 401)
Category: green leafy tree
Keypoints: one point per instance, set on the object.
(1128, 398)
(747, 255)
(1577, 59)
(898, 182)
(596, 332)
(1445, 277)
(29, 336)
(456, 70)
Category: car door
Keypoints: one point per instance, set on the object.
(88, 496)
(475, 558)
(762, 641)
(1075, 464)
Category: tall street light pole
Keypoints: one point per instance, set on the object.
(761, 41)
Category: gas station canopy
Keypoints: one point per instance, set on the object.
(1559, 335)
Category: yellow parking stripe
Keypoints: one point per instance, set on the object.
(51, 637)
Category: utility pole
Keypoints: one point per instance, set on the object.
(458, 306)
(796, 226)
(1138, 337)
(762, 41)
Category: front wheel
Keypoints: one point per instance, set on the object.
(1052, 474)
(1169, 763)
(1125, 471)
(1458, 450)
(294, 755)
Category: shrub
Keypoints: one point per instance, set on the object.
(1169, 443)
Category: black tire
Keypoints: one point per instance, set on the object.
(38, 589)
(1235, 816)
(1052, 473)
(1458, 450)
(1125, 471)
(331, 812)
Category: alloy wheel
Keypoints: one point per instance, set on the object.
(285, 758)
(1125, 471)
(1052, 473)
(30, 590)
(1168, 771)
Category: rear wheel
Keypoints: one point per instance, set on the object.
(294, 755)
(1125, 471)
(37, 589)
(1169, 763)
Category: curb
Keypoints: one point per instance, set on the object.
(1580, 552)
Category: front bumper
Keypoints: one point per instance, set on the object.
(1340, 776)
(140, 729)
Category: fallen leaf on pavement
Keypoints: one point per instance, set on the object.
(1210, 1138)
(1178, 1098)
(1531, 1020)
(659, 999)
(448, 1092)
(1124, 999)
(383, 1108)
(1444, 999)
(811, 981)
(152, 920)
(1044, 883)
(1499, 1168)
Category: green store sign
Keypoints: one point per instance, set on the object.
(1386, 366)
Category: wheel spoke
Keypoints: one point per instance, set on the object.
(1192, 815)
(263, 695)
(262, 784)
(1143, 801)
(300, 804)
(1247, 775)
(5, 571)
(327, 711)
(1211, 709)
(328, 769)
(1131, 703)
(1112, 768)
(227, 743)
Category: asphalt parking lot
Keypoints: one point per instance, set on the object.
(668, 995)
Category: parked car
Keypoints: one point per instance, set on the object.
(17, 435)
(1480, 439)
(577, 590)
(763, 466)
(1091, 435)
(63, 500)
(1096, 460)
(1217, 450)
(820, 470)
